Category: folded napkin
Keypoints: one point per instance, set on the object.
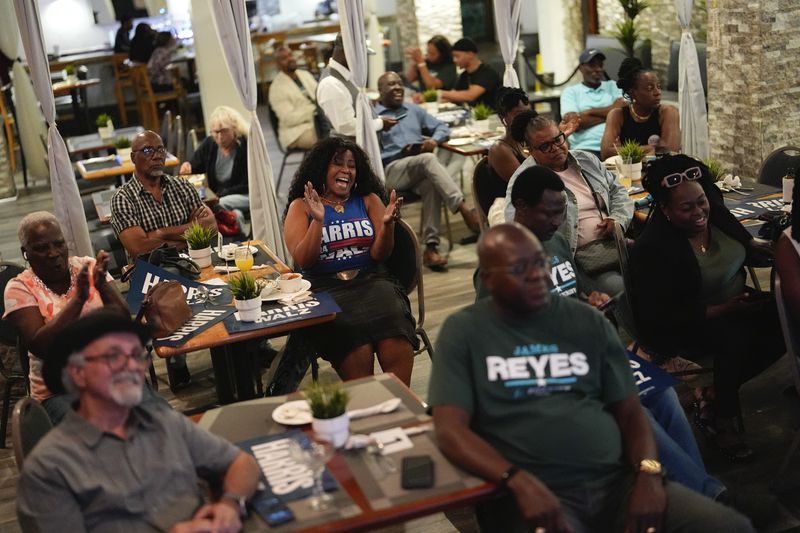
(224, 269)
(295, 297)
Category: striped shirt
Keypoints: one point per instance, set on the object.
(133, 206)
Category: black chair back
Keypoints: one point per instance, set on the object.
(29, 423)
(8, 271)
(166, 131)
(484, 190)
(778, 164)
(191, 143)
(405, 261)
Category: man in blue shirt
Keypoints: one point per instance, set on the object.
(409, 163)
(592, 99)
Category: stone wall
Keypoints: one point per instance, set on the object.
(659, 23)
(753, 80)
(419, 20)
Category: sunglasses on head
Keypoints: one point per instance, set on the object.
(673, 180)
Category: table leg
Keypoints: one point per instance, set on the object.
(76, 109)
(222, 375)
(85, 109)
(243, 356)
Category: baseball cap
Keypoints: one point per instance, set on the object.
(589, 54)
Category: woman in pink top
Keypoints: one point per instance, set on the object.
(52, 293)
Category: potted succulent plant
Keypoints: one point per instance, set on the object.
(123, 146)
(104, 126)
(715, 168)
(199, 238)
(626, 32)
(631, 155)
(329, 420)
(246, 292)
(481, 114)
(431, 99)
(69, 73)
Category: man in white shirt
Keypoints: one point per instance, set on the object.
(336, 95)
(292, 97)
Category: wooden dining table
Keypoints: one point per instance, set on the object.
(77, 90)
(368, 497)
(233, 368)
(98, 168)
(80, 145)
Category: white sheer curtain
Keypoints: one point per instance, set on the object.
(506, 20)
(230, 20)
(691, 98)
(351, 19)
(30, 122)
(8, 45)
(68, 205)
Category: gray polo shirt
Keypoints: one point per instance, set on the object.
(79, 478)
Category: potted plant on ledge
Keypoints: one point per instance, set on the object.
(199, 239)
(123, 146)
(69, 73)
(329, 412)
(246, 292)
(481, 114)
(631, 155)
(104, 126)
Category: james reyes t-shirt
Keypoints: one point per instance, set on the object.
(537, 388)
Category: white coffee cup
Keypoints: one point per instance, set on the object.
(290, 282)
(788, 190)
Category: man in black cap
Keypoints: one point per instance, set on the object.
(114, 464)
(478, 83)
(592, 99)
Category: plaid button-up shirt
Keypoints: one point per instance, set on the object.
(133, 206)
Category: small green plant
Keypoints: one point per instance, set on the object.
(633, 8)
(198, 236)
(327, 400)
(245, 287)
(69, 69)
(627, 35)
(102, 120)
(122, 142)
(430, 95)
(715, 168)
(630, 151)
(481, 112)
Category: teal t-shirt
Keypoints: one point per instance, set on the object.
(578, 98)
(563, 274)
(537, 388)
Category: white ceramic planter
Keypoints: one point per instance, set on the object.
(124, 154)
(249, 310)
(333, 430)
(202, 257)
(632, 171)
(481, 126)
(107, 132)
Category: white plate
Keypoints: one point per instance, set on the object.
(296, 413)
(461, 142)
(278, 294)
(253, 250)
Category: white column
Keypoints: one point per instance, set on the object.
(557, 57)
(216, 84)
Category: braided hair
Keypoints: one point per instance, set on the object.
(629, 71)
(508, 98)
(314, 168)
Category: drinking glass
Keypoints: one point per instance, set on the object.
(315, 457)
(244, 258)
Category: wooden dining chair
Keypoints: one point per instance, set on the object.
(122, 81)
(148, 101)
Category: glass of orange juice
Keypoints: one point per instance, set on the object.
(243, 258)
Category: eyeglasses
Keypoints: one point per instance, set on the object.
(116, 361)
(673, 180)
(558, 140)
(150, 150)
(522, 268)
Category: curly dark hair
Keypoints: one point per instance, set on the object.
(444, 48)
(508, 98)
(314, 168)
(671, 164)
(629, 71)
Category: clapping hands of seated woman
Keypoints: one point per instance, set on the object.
(392, 213)
(313, 204)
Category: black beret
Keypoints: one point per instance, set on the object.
(465, 44)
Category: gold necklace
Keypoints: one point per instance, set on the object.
(637, 116)
(337, 206)
(700, 244)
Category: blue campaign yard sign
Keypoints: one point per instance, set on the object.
(320, 304)
(649, 378)
(145, 276)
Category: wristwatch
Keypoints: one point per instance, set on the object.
(650, 466)
(239, 500)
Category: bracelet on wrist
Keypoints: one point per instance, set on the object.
(422, 64)
(505, 478)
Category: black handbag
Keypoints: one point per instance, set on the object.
(168, 258)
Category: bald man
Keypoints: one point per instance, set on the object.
(155, 208)
(535, 393)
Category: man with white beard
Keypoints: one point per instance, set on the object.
(114, 464)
